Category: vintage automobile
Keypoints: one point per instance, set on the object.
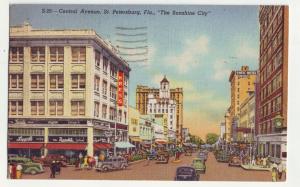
(186, 173)
(113, 163)
(28, 167)
(162, 157)
(46, 161)
(234, 161)
(199, 165)
(188, 152)
(223, 157)
(203, 156)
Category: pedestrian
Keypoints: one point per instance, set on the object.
(280, 170)
(19, 171)
(57, 167)
(96, 158)
(85, 162)
(274, 175)
(52, 169)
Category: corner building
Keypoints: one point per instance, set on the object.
(63, 92)
(271, 126)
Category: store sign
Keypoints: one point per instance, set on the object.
(245, 72)
(81, 122)
(100, 140)
(120, 88)
(67, 139)
(26, 139)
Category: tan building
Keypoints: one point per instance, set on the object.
(63, 92)
(271, 127)
(176, 94)
(241, 81)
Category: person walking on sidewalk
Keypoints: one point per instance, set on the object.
(19, 171)
(280, 170)
(52, 169)
(274, 174)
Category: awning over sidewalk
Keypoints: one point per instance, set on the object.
(161, 141)
(124, 145)
(25, 145)
(66, 146)
(135, 139)
(102, 146)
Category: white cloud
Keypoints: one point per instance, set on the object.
(189, 57)
(245, 51)
(221, 70)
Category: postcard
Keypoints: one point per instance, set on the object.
(147, 92)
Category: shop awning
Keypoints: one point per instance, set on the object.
(25, 145)
(161, 141)
(124, 145)
(102, 146)
(66, 146)
(187, 144)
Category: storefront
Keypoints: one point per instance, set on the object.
(25, 141)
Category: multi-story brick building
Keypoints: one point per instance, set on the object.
(273, 71)
(176, 94)
(63, 92)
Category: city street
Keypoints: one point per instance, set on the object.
(143, 170)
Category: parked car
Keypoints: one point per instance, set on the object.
(203, 156)
(223, 157)
(162, 157)
(47, 160)
(113, 163)
(199, 165)
(28, 166)
(235, 161)
(186, 173)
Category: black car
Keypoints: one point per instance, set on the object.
(186, 173)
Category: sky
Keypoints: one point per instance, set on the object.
(195, 52)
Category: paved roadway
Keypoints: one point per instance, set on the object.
(146, 170)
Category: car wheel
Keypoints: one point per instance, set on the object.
(33, 172)
(123, 167)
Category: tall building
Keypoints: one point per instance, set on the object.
(273, 82)
(176, 94)
(64, 93)
(164, 105)
(242, 81)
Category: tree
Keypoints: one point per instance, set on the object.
(211, 138)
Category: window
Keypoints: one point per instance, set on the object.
(37, 108)
(125, 117)
(278, 151)
(134, 129)
(78, 55)
(96, 83)
(126, 81)
(104, 111)
(97, 59)
(125, 99)
(15, 108)
(112, 113)
(56, 54)
(56, 81)
(38, 81)
(77, 108)
(104, 89)
(120, 116)
(15, 81)
(113, 92)
(56, 108)
(113, 70)
(16, 55)
(96, 109)
(105, 65)
(78, 81)
(37, 54)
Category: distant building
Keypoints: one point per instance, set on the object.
(222, 130)
(241, 81)
(175, 94)
(185, 134)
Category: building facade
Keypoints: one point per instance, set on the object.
(63, 92)
(176, 94)
(246, 125)
(273, 82)
(164, 105)
(241, 81)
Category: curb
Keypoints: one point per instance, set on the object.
(135, 162)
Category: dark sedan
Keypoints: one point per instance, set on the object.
(186, 173)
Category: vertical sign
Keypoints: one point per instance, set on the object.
(120, 88)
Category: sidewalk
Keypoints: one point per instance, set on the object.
(255, 167)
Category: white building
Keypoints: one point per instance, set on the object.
(164, 105)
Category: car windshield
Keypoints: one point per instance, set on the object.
(185, 171)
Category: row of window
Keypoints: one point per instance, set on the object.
(25, 132)
(271, 87)
(271, 107)
(37, 108)
(271, 67)
(268, 18)
(273, 150)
